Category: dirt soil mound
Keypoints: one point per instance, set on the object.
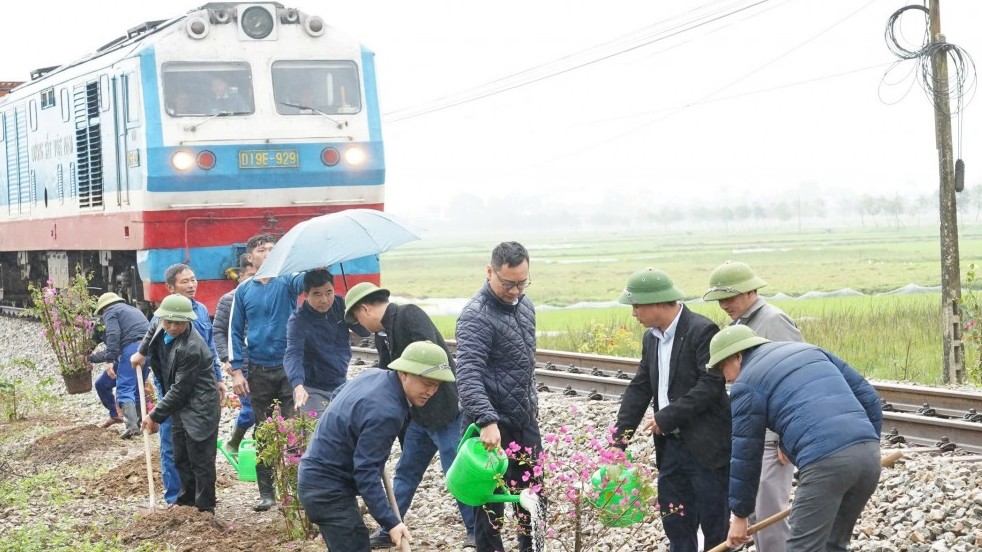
(185, 529)
(65, 445)
(130, 478)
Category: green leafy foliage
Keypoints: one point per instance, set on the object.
(971, 314)
(19, 395)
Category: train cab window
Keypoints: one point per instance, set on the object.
(311, 87)
(199, 89)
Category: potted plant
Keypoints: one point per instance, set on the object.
(67, 318)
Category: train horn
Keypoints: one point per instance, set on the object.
(219, 16)
(289, 16)
(197, 27)
(314, 25)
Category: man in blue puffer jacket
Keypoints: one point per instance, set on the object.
(829, 418)
(495, 377)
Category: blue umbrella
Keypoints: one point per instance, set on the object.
(334, 238)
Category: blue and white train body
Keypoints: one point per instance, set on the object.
(179, 141)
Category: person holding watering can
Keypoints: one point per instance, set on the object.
(352, 441)
(495, 378)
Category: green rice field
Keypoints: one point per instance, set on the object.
(892, 337)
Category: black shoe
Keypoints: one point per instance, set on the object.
(265, 503)
(470, 541)
(378, 540)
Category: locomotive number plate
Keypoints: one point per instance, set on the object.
(269, 159)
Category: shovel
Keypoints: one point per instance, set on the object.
(885, 461)
(150, 508)
(387, 481)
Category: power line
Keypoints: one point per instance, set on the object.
(646, 36)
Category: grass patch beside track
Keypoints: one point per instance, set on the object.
(893, 337)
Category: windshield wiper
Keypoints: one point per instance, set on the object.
(339, 124)
(192, 128)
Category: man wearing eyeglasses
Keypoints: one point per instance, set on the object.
(735, 285)
(432, 427)
(495, 378)
(691, 421)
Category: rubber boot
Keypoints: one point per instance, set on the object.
(232, 446)
(264, 477)
(132, 418)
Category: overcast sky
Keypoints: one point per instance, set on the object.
(784, 97)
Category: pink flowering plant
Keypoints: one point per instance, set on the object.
(67, 319)
(280, 442)
(590, 489)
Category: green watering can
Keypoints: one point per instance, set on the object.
(615, 484)
(244, 461)
(476, 475)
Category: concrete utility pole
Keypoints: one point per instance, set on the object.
(953, 351)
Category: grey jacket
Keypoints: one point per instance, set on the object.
(769, 322)
(772, 323)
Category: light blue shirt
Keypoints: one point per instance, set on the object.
(665, 341)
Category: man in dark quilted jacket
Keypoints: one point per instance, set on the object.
(495, 377)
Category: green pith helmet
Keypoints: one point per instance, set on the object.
(107, 299)
(356, 294)
(426, 359)
(176, 308)
(649, 286)
(731, 279)
(730, 341)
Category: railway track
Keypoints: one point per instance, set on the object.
(945, 420)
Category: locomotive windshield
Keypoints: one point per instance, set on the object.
(309, 87)
(199, 88)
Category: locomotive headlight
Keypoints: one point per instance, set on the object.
(355, 156)
(182, 160)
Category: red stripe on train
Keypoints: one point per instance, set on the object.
(130, 231)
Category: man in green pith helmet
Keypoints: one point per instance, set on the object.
(691, 422)
(829, 418)
(183, 363)
(432, 428)
(735, 285)
(353, 440)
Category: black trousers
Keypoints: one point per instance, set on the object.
(266, 385)
(195, 463)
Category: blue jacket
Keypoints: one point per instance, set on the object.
(353, 439)
(318, 348)
(259, 316)
(496, 361)
(124, 324)
(813, 399)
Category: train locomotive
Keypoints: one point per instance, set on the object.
(178, 141)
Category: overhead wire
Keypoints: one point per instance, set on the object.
(707, 98)
(633, 41)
